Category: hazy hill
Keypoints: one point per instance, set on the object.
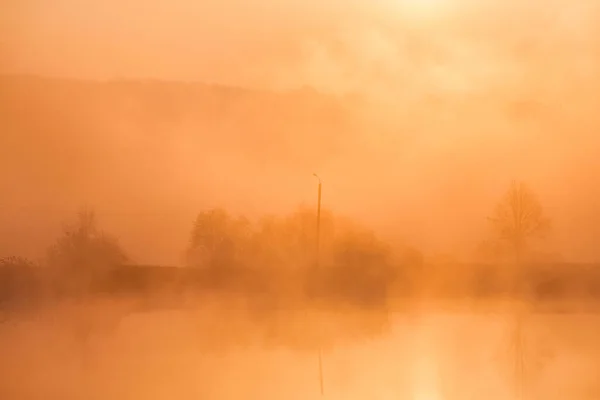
(148, 154)
(73, 118)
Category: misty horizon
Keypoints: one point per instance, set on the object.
(162, 233)
(451, 100)
(451, 97)
(419, 180)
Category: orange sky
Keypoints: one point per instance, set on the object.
(343, 45)
(466, 94)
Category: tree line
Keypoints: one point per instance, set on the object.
(278, 255)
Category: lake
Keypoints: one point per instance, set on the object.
(215, 353)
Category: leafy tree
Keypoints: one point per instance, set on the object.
(15, 261)
(293, 238)
(18, 276)
(362, 267)
(84, 247)
(278, 254)
(218, 240)
(518, 218)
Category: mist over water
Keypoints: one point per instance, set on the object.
(217, 352)
(416, 115)
(457, 146)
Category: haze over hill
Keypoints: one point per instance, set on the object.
(147, 155)
(456, 255)
(420, 115)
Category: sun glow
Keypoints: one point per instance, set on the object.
(420, 9)
(425, 377)
(426, 5)
(425, 381)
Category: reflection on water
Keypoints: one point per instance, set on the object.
(425, 383)
(431, 356)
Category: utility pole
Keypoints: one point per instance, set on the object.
(317, 256)
(318, 221)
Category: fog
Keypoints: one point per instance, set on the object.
(416, 115)
(450, 101)
(191, 353)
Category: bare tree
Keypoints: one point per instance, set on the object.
(517, 218)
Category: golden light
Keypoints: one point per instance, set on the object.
(423, 5)
(425, 376)
(420, 9)
(425, 383)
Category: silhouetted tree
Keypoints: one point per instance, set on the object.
(293, 238)
(18, 276)
(409, 270)
(15, 262)
(84, 247)
(218, 240)
(277, 255)
(517, 218)
(362, 268)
